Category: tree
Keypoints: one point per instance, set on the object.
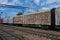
(20, 13)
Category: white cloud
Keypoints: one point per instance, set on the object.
(42, 4)
(3, 1)
(37, 1)
(43, 8)
(50, 6)
(31, 10)
(14, 2)
(58, 1)
(29, 2)
(18, 2)
(50, 1)
(54, 6)
(2, 9)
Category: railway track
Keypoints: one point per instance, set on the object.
(41, 34)
(5, 35)
(1, 38)
(48, 35)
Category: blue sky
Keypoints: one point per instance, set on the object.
(37, 4)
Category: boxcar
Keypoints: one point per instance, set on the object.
(57, 18)
(5, 20)
(38, 19)
(43, 19)
(10, 20)
(18, 20)
(29, 19)
(49, 19)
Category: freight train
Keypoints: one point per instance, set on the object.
(47, 19)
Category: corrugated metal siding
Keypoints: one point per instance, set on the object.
(5, 20)
(43, 18)
(18, 20)
(10, 20)
(57, 14)
(29, 19)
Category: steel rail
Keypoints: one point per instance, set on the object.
(13, 35)
(47, 35)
